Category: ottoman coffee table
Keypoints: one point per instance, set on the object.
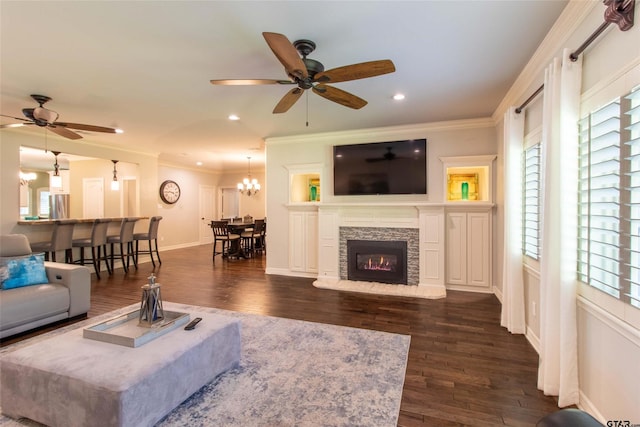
(68, 380)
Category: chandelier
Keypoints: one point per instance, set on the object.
(248, 185)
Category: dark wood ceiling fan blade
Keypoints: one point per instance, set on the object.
(80, 126)
(241, 82)
(62, 131)
(340, 96)
(362, 70)
(14, 125)
(288, 100)
(286, 54)
(16, 118)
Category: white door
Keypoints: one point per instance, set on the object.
(129, 196)
(229, 203)
(207, 209)
(92, 197)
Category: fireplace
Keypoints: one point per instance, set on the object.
(377, 261)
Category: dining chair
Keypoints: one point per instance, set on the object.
(250, 237)
(125, 240)
(221, 234)
(98, 244)
(150, 236)
(61, 240)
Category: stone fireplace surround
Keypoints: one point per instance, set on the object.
(421, 225)
(409, 235)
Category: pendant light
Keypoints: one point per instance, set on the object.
(115, 185)
(56, 179)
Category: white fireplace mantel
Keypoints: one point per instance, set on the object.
(428, 218)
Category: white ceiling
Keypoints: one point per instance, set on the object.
(145, 66)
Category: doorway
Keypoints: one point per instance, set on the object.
(129, 197)
(92, 197)
(229, 203)
(207, 212)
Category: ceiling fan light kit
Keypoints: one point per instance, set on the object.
(308, 73)
(43, 117)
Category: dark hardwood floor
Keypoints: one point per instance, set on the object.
(463, 368)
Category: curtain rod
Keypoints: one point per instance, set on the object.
(619, 12)
(529, 99)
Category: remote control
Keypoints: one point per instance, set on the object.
(191, 325)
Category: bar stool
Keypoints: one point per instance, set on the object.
(61, 240)
(150, 235)
(97, 241)
(125, 239)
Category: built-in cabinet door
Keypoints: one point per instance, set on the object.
(478, 249)
(303, 241)
(468, 249)
(311, 256)
(456, 248)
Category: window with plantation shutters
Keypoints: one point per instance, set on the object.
(631, 138)
(531, 201)
(609, 199)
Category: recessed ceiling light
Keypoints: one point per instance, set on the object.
(398, 97)
(198, 163)
(233, 117)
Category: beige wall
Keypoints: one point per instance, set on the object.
(461, 138)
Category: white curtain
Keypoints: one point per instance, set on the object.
(512, 316)
(558, 370)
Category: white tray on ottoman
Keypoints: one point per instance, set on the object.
(70, 381)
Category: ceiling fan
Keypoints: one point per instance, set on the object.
(308, 73)
(43, 117)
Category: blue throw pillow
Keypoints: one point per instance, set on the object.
(16, 272)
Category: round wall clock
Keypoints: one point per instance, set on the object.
(169, 192)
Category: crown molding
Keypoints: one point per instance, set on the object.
(382, 133)
(532, 75)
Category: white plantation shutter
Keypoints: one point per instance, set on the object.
(609, 199)
(631, 139)
(531, 202)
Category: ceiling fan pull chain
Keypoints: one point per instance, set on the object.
(307, 95)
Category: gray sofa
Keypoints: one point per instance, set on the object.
(68, 293)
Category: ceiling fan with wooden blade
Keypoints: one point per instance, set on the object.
(43, 117)
(308, 73)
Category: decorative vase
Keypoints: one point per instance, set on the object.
(313, 193)
(465, 191)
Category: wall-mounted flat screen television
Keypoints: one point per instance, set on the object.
(396, 167)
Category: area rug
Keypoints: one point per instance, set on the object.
(428, 292)
(291, 373)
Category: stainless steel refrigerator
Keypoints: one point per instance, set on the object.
(58, 206)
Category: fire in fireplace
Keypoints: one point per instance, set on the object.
(381, 262)
(377, 261)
